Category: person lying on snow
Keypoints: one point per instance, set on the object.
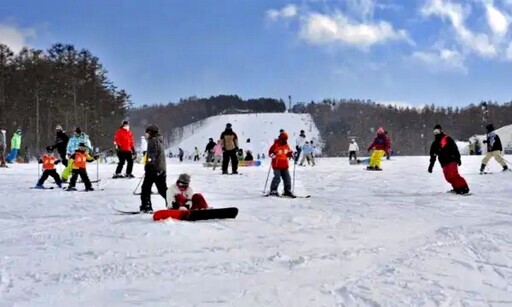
(181, 196)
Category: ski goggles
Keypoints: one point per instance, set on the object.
(182, 184)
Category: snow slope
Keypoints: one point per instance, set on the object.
(260, 128)
(390, 238)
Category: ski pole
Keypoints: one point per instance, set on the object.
(138, 185)
(293, 185)
(97, 169)
(268, 174)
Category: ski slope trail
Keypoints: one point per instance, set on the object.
(390, 238)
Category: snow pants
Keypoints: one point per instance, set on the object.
(198, 202)
(83, 175)
(67, 171)
(278, 174)
(497, 155)
(47, 173)
(151, 177)
(376, 157)
(229, 155)
(451, 174)
(216, 160)
(2, 155)
(308, 157)
(297, 154)
(125, 156)
(352, 154)
(209, 156)
(12, 156)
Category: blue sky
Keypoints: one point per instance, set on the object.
(446, 52)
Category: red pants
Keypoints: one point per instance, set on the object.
(198, 202)
(451, 174)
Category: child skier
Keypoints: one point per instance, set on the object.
(494, 149)
(49, 161)
(307, 154)
(380, 146)
(280, 152)
(80, 158)
(217, 154)
(181, 196)
(447, 151)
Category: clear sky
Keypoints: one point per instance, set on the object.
(447, 52)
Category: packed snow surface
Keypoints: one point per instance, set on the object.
(390, 238)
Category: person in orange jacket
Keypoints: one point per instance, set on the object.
(280, 152)
(49, 161)
(80, 158)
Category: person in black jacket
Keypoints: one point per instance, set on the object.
(61, 143)
(494, 149)
(229, 143)
(155, 168)
(445, 149)
(209, 150)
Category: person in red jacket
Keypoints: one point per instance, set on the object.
(280, 152)
(125, 145)
(380, 147)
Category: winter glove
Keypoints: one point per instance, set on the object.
(430, 167)
(289, 154)
(180, 199)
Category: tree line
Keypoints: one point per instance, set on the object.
(61, 85)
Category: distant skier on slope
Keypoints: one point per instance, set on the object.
(445, 149)
(353, 148)
(299, 143)
(181, 196)
(379, 146)
(307, 154)
(494, 149)
(280, 152)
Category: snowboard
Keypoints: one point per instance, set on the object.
(249, 163)
(281, 196)
(373, 170)
(196, 215)
(44, 188)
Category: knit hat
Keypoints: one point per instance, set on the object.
(438, 129)
(380, 130)
(58, 128)
(489, 128)
(283, 136)
(185, 178)
(125, 122)
(228, 125)
(152, 129)
(78, 130)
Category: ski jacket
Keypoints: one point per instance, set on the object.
(16, 141)
(210, 146)
(353, 147)
(80, 158)
(229, 139)
(75, 140)
(61, 142)
(196, 152)
(380, 143)
(280, 153)
(123, 139)
(307, 149)
(493, 142)
(301, 140)
(156, 155)
(217, 150)
(445, 149)
(173, 190)
(49, 162)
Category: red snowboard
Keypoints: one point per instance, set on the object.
(196, 215)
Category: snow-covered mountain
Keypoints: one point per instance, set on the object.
(260, 128)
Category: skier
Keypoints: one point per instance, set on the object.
(217, 154)
(3, 146)
(353, 148)
(15, 146)
(78, 161)
(379, 146)
(307, 154)
(494, 149)
(209, 150)
(49, 161)
(155, 168)
(61, 142)
(280, 152)
(229, 142)
(181, 196)
(446, 150)
(299, 143)
(125, 145)
(196, 154)
(73, 145)
(180, 154)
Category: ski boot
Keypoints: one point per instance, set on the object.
(89, 189)
(505, 168)
(117, 175)
(289, 194)
(71, 189)
(129, 176)
(39, 186)
(482, 169)
(273, 193)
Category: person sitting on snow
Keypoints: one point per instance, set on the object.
(181, 196)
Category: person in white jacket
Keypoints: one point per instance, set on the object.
(299, 143)
(181, 196)
(352, 150)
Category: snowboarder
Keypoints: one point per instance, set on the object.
(353, 148)
(307, 154)
(61, 143)
(196, 154)
(280, 152)
(445, 149)
(79, 160)
(3, 146)
(181, 196)
(209, 150)
(73, 145)
(299, 143)
(494, 149)
(229, 142)
(379, 146)
(125, 146)
(15, 146)
(155, 168)
(217, 154)
(49, 161)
